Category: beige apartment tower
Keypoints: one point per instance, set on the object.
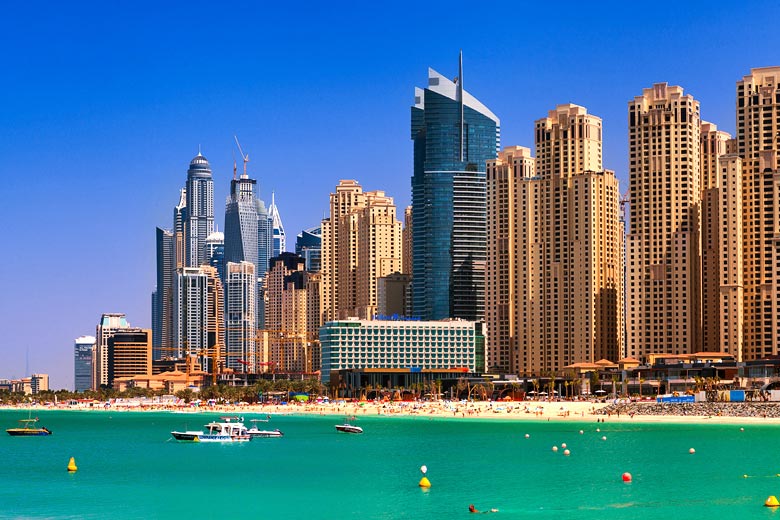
(758, 145)
(361, 242)
(721, 243)
(554, 271)
(664, 244)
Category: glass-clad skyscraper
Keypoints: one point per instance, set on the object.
(280, 239)
(454, 135)
(83, 357)
(200, 209)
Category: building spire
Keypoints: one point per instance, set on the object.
(460, 100)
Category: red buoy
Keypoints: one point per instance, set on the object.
(626, 477)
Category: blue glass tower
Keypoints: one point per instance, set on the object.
(454, 135)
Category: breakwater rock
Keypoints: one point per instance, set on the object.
(746, 409)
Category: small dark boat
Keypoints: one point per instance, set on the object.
(27, 429)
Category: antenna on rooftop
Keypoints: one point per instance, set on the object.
(244, 157)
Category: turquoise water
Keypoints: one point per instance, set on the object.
(129, 468)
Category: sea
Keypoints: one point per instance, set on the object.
(129, 467)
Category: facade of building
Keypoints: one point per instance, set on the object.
(758, 146)
(214, 254)
(555, 251)
(664, 243)
(406, 261)
(130, 354)
(240, 319)
(198, 316)
(162, 300)
(361, 242)
(721, 243)
(109, 324)
(409, 345)
(199, 223)
(308, 244)
(83, 358)
(454, 135)
(279, 237)
(392, 294)
(287, 338)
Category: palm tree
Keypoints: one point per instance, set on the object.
(614, 385)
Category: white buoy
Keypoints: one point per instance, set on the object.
(581, 432)
(555, 448)
(563, 445)
(527, 436)
(604, 438)
(691, 451)
(566, 452)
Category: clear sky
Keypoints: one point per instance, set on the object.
(103, 104)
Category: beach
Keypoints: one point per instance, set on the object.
(614, 411)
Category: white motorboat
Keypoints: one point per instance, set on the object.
(229, 429)
(254, 431)
(348, 428)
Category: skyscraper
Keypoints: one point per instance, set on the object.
(240, 321)
(130, 354)
(454, 135)
(162, 307)
(198, 315)
(361, 242)
(555, 250)
(721, 243)
(83, 357)
(663, 246)
(280, 239)
(108, 325)
(308, 244)
(199, 223)
(214, 254)
(758, 145)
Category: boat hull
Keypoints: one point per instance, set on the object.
(348, 428)
(28, 432)
(265, 433)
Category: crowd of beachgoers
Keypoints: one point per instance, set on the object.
(554, 410)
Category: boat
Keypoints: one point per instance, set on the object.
(348, 428)
(228, 429)
(27, 429)
(255, 432)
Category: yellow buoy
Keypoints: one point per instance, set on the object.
(772, 501)
(72, 465)
(425, 483)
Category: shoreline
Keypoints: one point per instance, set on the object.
(520, 411)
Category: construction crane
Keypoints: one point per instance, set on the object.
(624, 201)
(245, 158)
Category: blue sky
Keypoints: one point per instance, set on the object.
(103, 104)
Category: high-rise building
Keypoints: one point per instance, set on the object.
(555, 250)
(214, 254)
(198, 315)
(199, 223)
(454, 135)
(348, 196)
(83, 358)
(241, 222)
(240, 321)
(162, 301)
(108, 325)
(130, 354)
(663, 245)
(179, 223)
(721, 239)
(280, 239)
(308, 244)
(758, 145)
(379, 251)
(361, 242)
(287, 336)
(406, 234)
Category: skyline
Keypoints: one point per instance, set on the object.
(105, 107)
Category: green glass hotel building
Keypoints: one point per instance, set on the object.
(454, 135)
